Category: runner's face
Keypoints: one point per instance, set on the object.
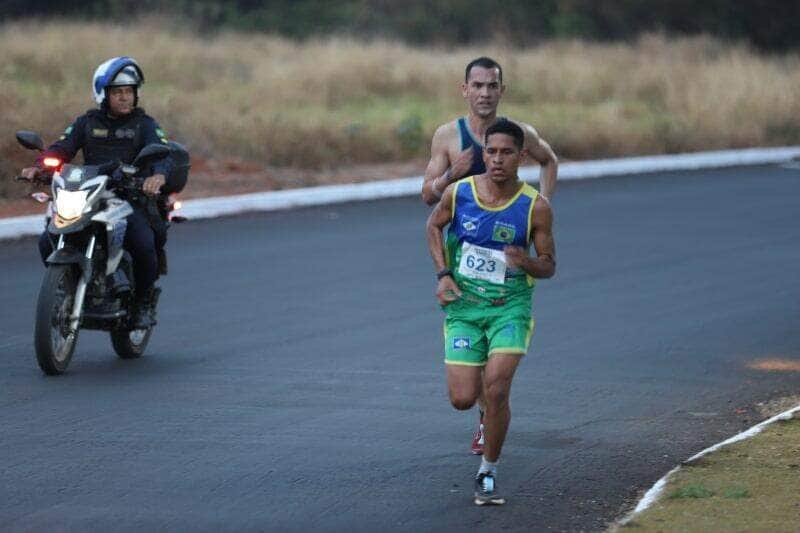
(501, 157)
(120, 100)
(483, 90)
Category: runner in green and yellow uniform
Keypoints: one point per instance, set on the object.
(486, 281)
(457, 152)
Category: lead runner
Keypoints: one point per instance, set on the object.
(457, 152)
(486, 281)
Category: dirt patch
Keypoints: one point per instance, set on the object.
(775, 365)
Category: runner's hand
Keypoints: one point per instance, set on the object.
(516, 256)
(153, 184)
(460, 167)
(447, 291)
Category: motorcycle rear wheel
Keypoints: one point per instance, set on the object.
(53, 341)
(130, 344)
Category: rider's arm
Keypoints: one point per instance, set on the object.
(153, 134)
(64, 149)
(544, 264)
(437, 172)
(541, 151)
(161, 169)
(67, 146)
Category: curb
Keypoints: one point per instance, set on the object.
(651, 496)
(332, 194)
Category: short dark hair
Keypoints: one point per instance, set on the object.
(506, 127)
(485, 62)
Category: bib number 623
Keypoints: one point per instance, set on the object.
(479, 264)
(482, 263)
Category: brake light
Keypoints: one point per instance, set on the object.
(51, 162)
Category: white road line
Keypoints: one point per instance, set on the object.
(332, 194)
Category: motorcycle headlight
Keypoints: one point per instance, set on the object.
(70, 204)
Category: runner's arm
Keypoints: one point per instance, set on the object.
(541, 151)
(437, 173)
(447, 289)
(438, 219)
(544, 264)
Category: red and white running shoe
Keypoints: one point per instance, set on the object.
(477, 440)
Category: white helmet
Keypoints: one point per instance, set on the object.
(115, 72)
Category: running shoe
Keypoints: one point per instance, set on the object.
(486, 490)
(478, 439)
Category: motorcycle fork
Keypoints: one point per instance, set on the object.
(83, 282)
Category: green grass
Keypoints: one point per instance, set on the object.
(691, 491)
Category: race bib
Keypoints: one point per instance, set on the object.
(478, 262)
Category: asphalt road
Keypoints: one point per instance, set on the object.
(295, 381)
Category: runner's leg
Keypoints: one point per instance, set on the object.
(463, 385)
(497, 378)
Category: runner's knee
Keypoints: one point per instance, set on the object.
(462, 400)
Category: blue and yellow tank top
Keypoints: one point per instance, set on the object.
(486, 232)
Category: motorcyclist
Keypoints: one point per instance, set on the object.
(117, 131)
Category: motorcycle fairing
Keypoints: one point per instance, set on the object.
(114, 216)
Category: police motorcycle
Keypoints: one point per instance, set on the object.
(89, 281)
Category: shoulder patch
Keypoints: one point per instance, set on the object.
(162, 136)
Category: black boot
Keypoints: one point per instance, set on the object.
(143, 312)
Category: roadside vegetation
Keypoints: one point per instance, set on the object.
(337, 102)
(751, 485)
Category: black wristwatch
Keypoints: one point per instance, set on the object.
(444, 272)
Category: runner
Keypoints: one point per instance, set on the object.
(455, 149)
(456, 152)
(486, 282)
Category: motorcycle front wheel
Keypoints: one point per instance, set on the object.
(53, 340)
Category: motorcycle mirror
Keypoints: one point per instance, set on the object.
(150, 153)
(30, 140)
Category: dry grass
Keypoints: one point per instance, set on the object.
(340, 102)
(752, 485)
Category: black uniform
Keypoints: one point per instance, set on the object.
(103, 139)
